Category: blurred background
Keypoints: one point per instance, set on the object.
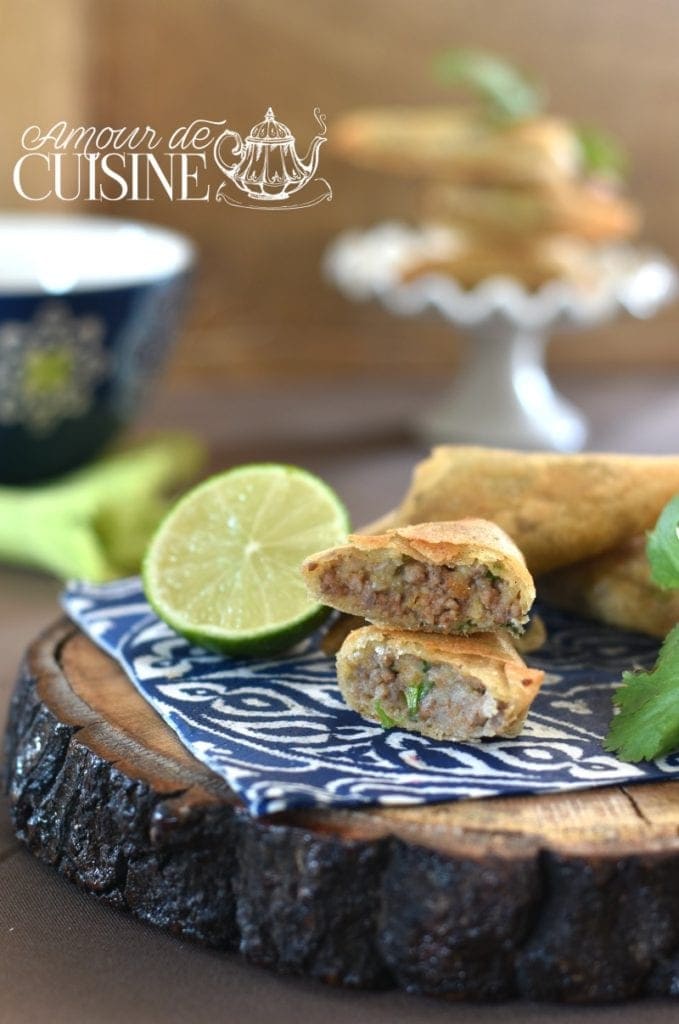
(262, 312)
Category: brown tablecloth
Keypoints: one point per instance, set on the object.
(66, 958)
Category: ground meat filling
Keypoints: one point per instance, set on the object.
(401, 591)
(435, 699)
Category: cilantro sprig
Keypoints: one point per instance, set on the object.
(647, 723)
(508, 93)
(601, 154)
(662, 547)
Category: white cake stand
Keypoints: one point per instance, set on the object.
(502, 395)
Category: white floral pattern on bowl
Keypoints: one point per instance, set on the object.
(51, 366)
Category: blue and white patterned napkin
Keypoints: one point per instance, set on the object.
(279, 732)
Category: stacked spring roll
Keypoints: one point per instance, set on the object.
(440, 599)
(520, 192)
(579, 521)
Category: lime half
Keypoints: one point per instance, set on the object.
(223, 566)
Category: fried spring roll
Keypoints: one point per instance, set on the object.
(615, 588)
(460, 577)
(588, 210)
(558, 509)
(532, 639)
(448, 688)
(457, 145)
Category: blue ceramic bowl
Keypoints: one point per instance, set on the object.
(88, 310)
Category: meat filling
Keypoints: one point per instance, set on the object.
(437, 700)
(414, 595)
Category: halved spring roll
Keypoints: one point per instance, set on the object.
(459, 577)
(448, 688)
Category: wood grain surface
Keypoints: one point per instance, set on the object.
(572, 897)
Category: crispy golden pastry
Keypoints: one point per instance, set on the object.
(457, 144)
(534, 637)
(590, 210)
(471, 259)
(615, 588)
(558, 509)
(444, 577)
(445, 687)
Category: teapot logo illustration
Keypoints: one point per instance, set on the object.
(267, 168)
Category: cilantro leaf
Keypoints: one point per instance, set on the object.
(508, 93)
(386, 721)
(662, 547)
(601, 153)
(647, 725)
(415, 694)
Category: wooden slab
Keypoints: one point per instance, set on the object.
(568, 897)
